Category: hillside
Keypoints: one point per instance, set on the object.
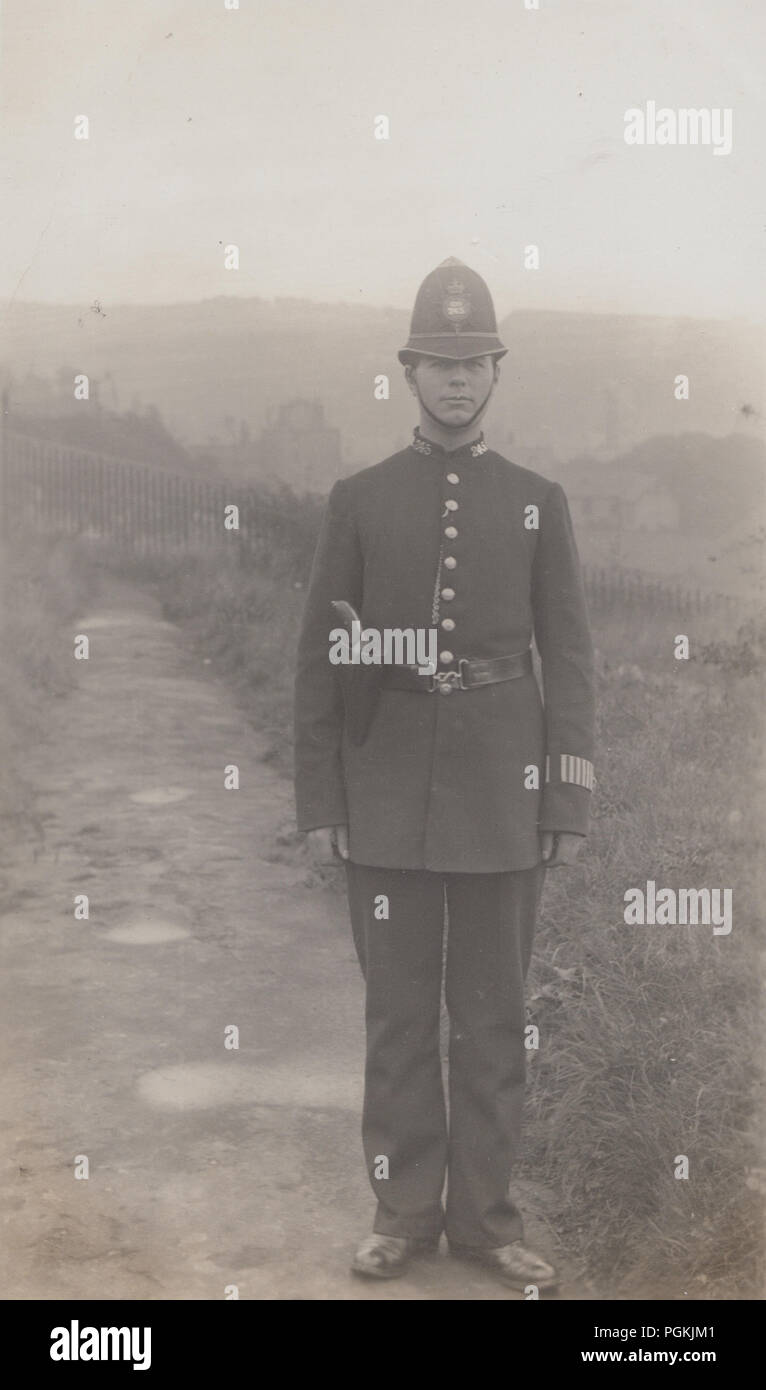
(571, 383)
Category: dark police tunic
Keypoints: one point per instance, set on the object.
(448, 783)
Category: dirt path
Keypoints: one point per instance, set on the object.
(208, 1167)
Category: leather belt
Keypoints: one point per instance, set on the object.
(470, 674)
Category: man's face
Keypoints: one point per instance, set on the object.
(453, 391)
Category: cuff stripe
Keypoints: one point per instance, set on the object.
(579, 772)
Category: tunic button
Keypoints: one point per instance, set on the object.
(445, 689)
(451, 504)
(448, 594)
(450, 563)
(452, 478)
(446, 657)
(450, 532)
(448, 624)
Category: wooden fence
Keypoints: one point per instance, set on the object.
(146, 510)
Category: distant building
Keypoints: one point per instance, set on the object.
(299, 448)
(638, 505)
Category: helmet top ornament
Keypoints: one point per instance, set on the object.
(453, 317)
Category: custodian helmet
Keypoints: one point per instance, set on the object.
(453, 316)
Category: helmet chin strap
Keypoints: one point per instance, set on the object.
(448, 425)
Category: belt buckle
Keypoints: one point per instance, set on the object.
(453, 679)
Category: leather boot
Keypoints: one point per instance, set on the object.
(387, 1257)
(513, 1264)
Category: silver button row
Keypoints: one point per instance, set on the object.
(450, 563)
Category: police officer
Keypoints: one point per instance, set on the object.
(455, 790)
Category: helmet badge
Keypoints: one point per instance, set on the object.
(457, 306)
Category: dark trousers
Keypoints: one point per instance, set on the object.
(397, 917)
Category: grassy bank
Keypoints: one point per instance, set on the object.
(650, 1035)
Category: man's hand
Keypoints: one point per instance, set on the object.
(327, 842)
(561, 848)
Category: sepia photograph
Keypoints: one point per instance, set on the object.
(382, 536)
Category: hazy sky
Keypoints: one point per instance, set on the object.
(255, 127)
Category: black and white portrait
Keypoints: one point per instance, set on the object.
(381, 541)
